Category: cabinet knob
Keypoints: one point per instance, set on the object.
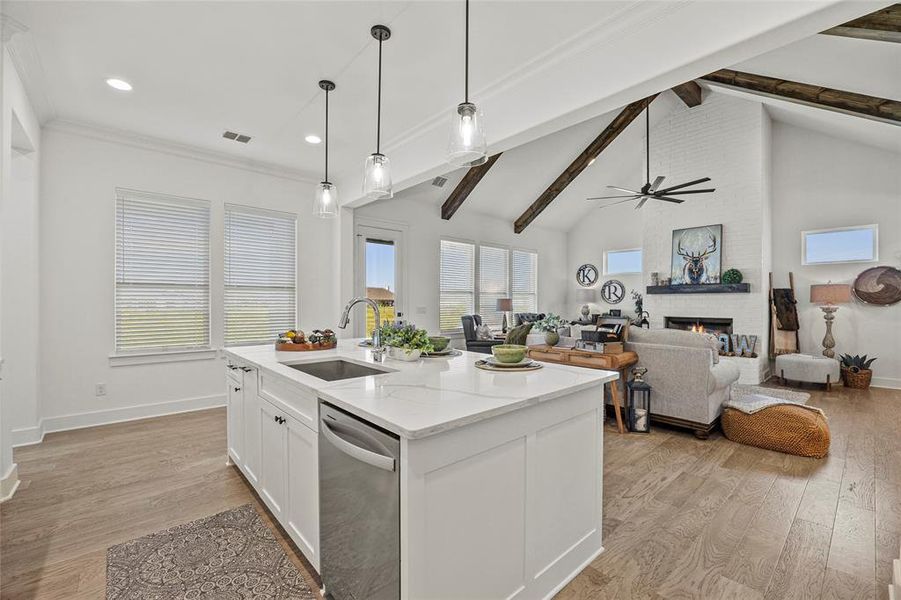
(237, 389)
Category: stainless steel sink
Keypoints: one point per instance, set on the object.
(334, 370)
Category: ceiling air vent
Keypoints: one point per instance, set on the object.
(238, 137)
(439, 181)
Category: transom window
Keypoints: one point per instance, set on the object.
(840, 245)
(621, 262)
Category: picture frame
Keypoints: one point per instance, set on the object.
(697, 255)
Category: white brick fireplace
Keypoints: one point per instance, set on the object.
(728, 140)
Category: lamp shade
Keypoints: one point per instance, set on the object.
(830, 293)
(587, 294)
(504, 304)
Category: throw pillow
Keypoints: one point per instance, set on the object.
(518, 335)
(483, 333)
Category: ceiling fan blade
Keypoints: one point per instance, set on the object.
(682, 185)
(611, 197)
(705, 191)
(668, 199)
(656, 183)
(640, 204)
(613, 187)
(615, 203)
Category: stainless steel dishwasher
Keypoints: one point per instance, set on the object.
(359, 508)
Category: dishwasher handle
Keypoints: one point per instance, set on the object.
(386, 463)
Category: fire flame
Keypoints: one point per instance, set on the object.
(697, 328)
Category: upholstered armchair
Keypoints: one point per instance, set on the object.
(470, 322)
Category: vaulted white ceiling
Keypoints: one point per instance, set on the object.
(199, 68)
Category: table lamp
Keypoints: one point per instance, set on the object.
(587, 295)
(505, 305)
(827, 295)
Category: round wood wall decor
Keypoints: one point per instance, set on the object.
(587, 275)
(879, 286)
(613, 291)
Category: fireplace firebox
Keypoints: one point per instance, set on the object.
(714, 325)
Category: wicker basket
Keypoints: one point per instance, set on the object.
(859, 380)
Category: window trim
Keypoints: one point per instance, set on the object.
(608, 272)
(477, 274)
(265, 212)
(162, 354)
(874, 227)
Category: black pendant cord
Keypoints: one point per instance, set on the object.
(647, 143)
(466, 69)
(378, 117)
(326, 135)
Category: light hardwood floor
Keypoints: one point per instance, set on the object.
(683, 518)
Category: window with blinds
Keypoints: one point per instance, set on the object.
(494, 283)
(260, 274)
(525, 281)
(457, 283)
(162, 273)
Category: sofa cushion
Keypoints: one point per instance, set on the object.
(676, 337)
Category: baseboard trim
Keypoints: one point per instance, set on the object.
(10, 483)
(129, 413)
(891, 383)
(27, 436)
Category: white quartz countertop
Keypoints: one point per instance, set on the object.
(428, 396)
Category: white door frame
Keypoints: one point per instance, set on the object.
(389, 231)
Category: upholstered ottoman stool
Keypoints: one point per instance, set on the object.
(807, 368)
(778, 425)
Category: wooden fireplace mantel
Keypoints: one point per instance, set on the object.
(705, 288)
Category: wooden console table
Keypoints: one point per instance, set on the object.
(591, 360)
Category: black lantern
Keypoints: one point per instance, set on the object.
(638, 407)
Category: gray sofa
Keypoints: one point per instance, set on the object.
(689, 383)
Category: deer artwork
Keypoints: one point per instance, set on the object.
(695, 268)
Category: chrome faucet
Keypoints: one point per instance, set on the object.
(377, 351)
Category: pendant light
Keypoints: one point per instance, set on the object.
(466, 146)
(325, 204)
(377, 168)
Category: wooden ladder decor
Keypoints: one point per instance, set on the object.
(787, 342)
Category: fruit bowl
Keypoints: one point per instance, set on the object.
(509, 353)
(439, 342)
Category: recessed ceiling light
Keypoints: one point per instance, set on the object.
(313, 139)
(119, 84)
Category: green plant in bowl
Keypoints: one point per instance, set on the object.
(439, 342)
(509, 353)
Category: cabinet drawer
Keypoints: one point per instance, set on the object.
(549, 356)
(595, 362)
(290, 397)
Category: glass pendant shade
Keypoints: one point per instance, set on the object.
(377, 177)
(466, 146)
(325, 203)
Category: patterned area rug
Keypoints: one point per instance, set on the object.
(228, 556)
(740, 390)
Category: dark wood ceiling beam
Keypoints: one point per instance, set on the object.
(594, 149)
(883, 25)
(466, 186)
(689, 92)
(813, 95)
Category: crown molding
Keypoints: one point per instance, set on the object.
(146, 142)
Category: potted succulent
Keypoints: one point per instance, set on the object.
(551, 325)
(405, 342)
(856, 372)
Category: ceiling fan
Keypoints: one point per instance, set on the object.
(652, 190)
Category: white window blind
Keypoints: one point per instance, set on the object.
(457, 284)
(525, 281)
(260, 274)
(162, 273)
(494, 282)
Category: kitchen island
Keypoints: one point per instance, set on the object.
(498, 475)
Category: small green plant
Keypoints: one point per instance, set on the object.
(551, 322)
(406, 337)
(732, 276)
(856, 363)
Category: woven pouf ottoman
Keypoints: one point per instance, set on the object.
(807, 368)
(774, 424)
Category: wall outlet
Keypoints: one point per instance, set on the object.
(100, 389)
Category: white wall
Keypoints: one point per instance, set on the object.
(19, 144)
(820, 182)
(78, 179)
(425, 230)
